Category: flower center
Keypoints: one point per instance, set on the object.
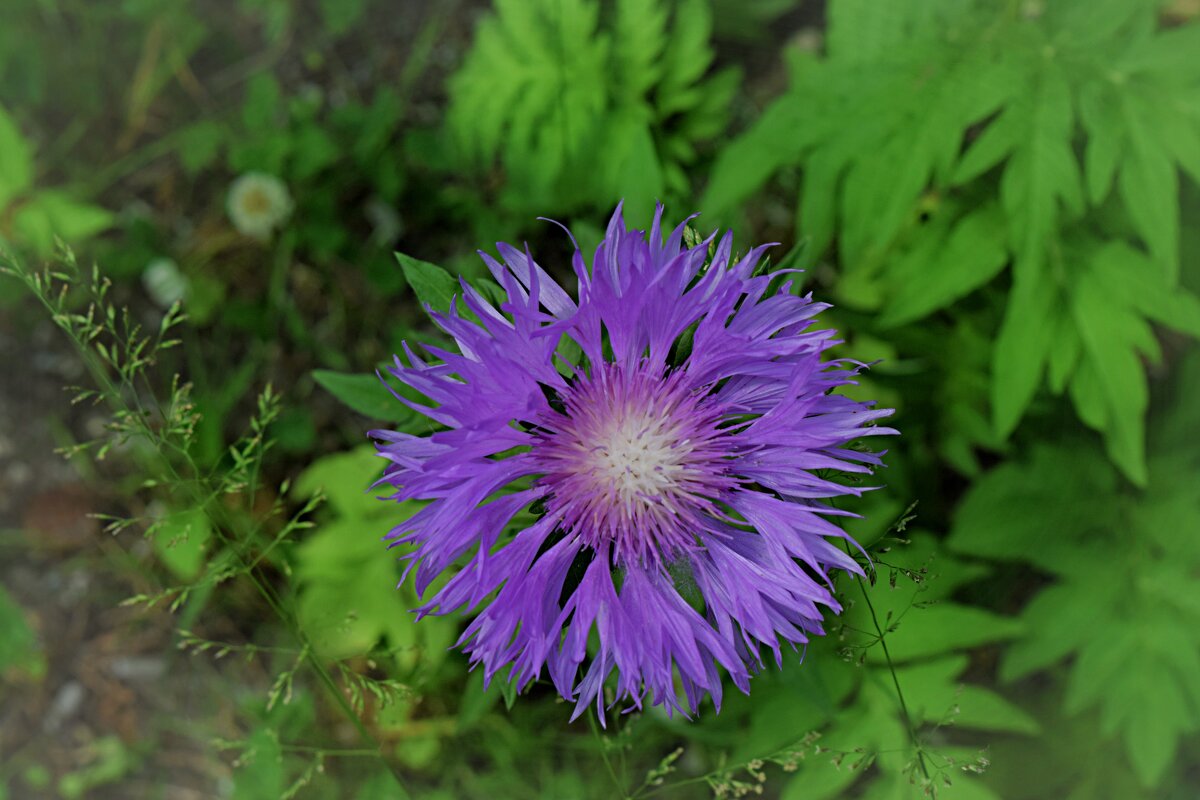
(638, 459)
(632, 460)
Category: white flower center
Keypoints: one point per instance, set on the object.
(638, 459)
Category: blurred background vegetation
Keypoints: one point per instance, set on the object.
(1001, 198)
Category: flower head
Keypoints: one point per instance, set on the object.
(647, 462)
(258, 204)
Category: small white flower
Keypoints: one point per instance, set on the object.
(258, 204)
(163, 281)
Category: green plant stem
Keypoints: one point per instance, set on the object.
(908, 720)
(602, 745)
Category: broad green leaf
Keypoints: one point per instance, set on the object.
(16, 160)
(1169, 55)
(262, 104)
(433, 285)
(817, 219)
(181, 540)
(345, 479)
(363, 393)
(261, 773)
(1059, 621)
(819, 779)
(1065, 353)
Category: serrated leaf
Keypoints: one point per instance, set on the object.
(1019, 510)
(635, 173)
(776, 138)
(364, 393)
(932, 278)
(639, 37)
(935, 695)
(1041, 179)
(1149, 187)
(1110, 335)
(1169, 55)
(1102, 122)
(1129, 274)
(686, 57)
(1058, 622)
(1021, 350)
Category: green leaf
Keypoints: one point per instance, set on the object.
(944, 269)
(349, 598)
(16, 160)
(433, 285)
(635, 173)
(1149, 187)
(942, 628)
(52, 213)
(345, 479)
(200, 144)
(19, 650)
(686, 58)
(363, 393)
(639, 37)
(1059, 621)
(1041, 178)
(180, 541)
(934, 695)
(1123, 558)
(776, 138)
(261, 774)
(1102, 122)
(1111, 336)
(263, 104)
(1017, 510)
(341, 15)
(1022, 348)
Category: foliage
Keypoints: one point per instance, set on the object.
(1002, 199)
(938, 144)
(32, 217)
(1125, 563)
(581, 113)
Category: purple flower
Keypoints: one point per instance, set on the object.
(662, 486)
